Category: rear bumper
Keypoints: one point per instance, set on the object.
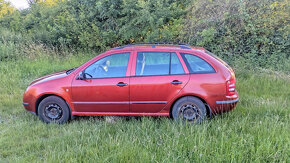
(228, 101)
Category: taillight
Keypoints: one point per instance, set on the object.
(231, 86)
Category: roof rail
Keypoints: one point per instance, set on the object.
(153, 45)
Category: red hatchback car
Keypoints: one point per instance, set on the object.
(183, 82)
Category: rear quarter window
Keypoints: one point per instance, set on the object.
(220, 60)
(197, 65)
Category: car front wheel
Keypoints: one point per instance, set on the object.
(189, 109)
(53, 109)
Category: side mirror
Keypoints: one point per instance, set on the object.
(81, 76)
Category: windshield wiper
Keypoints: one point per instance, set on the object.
(70, 70)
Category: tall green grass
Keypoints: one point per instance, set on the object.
(256, 131)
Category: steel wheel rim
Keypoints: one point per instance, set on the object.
(189, 112)
(53, 112)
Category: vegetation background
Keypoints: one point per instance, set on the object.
(51, 35)
(257, 31)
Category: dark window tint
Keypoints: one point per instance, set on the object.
(196, 64)
(114, 65)
(152, 63)
(176, 67)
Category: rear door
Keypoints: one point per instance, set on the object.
(156, 79)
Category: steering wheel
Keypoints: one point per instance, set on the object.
(87, 74)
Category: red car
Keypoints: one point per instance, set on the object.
(179, 81)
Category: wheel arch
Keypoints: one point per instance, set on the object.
(208, 109)
(39, 99)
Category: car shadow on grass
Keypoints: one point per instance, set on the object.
(116, 119)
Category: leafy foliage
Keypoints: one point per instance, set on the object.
(98, 24)
(257, 31)
(5, 8)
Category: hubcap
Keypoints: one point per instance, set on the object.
(189, 112)
(53, 112)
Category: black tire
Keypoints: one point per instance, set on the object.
(189, 109)
(53, 109)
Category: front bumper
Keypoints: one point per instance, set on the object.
(26, 106)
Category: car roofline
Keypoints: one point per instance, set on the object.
(159, 46)
(195, 49)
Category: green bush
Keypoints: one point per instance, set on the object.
(257, 31)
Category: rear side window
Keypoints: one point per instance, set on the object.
(196, 65)
(176, 67)
(158, 63)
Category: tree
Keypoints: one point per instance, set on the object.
(47, 3)
(6, 8)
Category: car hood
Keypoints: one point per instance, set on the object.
(52, 76)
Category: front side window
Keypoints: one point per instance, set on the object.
(196, 65)
(114, 65)
(158, 63)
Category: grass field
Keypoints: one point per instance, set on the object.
(257, 130)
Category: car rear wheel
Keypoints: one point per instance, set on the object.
(53, 109)
(190, 109)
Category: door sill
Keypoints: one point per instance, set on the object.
(120, 114)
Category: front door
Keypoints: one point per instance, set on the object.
(159, 77)
(105, 87)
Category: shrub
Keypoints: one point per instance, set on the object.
(257, 31)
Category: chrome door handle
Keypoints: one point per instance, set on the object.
(176, 82)
(121, 84)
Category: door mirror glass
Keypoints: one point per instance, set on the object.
(81, 76)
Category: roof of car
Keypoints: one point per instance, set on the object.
(160, 45)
